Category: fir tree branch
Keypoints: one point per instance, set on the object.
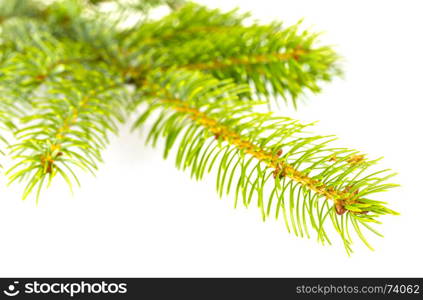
(277, 61)
(67, 125)
(64, 74)
(319, 182)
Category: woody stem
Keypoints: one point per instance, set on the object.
(272, 160)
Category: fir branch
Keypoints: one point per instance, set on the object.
(262, 155)
(67, 126)
(63, 84)
(31, 62)
(276, 60)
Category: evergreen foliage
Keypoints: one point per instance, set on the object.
(70, 73)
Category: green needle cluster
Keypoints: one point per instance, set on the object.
(70, 73)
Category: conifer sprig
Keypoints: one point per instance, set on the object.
(65, 73)
(277, 61)
(264, 158)
(72, 104)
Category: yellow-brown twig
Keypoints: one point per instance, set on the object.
(272, 160)
(47, 161)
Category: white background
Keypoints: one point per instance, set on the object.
(142, 217)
